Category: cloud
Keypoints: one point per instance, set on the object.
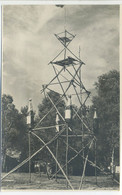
(29, 44)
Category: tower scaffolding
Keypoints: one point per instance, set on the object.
(67, 76)
(69, 69)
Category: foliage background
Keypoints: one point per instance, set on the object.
(107, 104)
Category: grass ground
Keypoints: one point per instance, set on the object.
(20, 181)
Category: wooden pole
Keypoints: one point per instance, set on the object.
(65, 46)
(59, 82)
(29, 156)
(67, 154)
(84, 167)
(82, 129)
(95, 149)
(86, 135)
(74, 80)
(52, 80)
(113, 171)
(40, 149)
(56, 158)
(43, 128)
(70, 159)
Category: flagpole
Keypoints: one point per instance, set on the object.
(56, 158)
(29, 123)
(95, 142)
(57, 130)
(67, 153)
(29, 157)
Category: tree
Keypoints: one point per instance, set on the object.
(24, 111)
(8, 114)
(13, 128)
(107, 105)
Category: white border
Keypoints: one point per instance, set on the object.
(52, 2)
(64, 2)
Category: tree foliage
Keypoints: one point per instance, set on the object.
(107, 105)
(13, 128)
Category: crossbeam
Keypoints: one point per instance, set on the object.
(29, 158)
(55, 160)
(60, 82)
(75, 135)
(43, 128)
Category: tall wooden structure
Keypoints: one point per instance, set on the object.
(67, 82)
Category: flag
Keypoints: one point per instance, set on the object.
(57, 122)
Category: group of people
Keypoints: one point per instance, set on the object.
(43, 167)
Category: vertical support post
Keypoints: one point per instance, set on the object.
(29, 142)
(81, 112)
(84, 167)
(30, 120)
(95, 148)
(65, 17)
(95, 130)
(56, 158)
(83, 142)
(113, 170)
(65, 46)
(67, 153)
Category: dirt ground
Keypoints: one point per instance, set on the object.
(20, 181)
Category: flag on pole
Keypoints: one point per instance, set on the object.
(30, 116)
(68, 110)
(95, 122)
(57, 122)
(95, 114)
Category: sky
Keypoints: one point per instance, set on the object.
(29, 45)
